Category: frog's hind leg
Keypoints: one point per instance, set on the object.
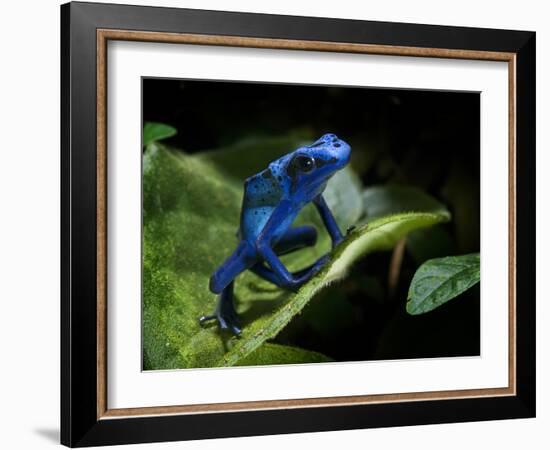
(225, 313)
(303, 275)
(294, 239)
(222, 282)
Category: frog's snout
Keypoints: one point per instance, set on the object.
(334, 151)
(341, 149)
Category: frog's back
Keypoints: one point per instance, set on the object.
(262, 193)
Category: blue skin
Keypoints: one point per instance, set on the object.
(272, 199)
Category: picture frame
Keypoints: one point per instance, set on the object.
(86, 418)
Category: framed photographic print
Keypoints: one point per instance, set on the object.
(277, 224)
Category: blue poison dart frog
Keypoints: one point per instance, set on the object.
(271, 201)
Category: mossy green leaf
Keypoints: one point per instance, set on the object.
(272, 354)
(441, 279)
(154, 131)
(191, 210)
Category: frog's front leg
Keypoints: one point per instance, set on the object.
(329, 220)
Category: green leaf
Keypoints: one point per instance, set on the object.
(272, 354)
(191, 210)
(381, 234)
(439, 280)
(390, 199)
(343, 196)
(252, 154)
(153, 132)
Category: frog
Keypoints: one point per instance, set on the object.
(271, 201)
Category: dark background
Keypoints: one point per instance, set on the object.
(428, 139)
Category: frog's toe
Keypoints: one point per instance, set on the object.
(204, 319)
(226, 322)
(229, 321)
(293, 285)
(232, 327)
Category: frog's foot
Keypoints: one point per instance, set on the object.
(296, 279)
(225, 314)
(226, 322)
(301, 277)
(350, 229)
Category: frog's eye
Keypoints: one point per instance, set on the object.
(304, 163)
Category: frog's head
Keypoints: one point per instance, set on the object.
(310, 167)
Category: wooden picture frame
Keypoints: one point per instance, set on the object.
(86, 418)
